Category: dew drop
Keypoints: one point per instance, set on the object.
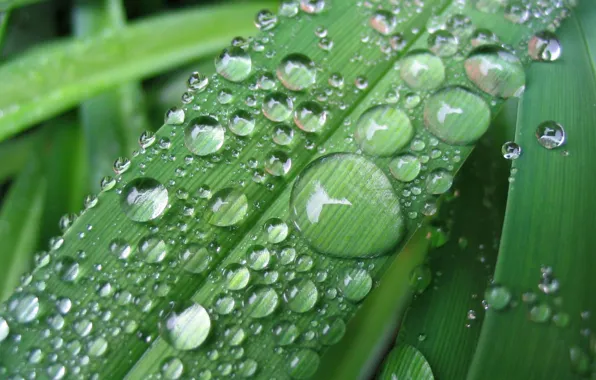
(204, 135)
(278, 163)
(456, 115)
(544, 46)
(301, 295)
(174, 116)
(4, 329)
(405, 168)
(283, 134)
(241, 123)
(25, 307)
(276, 230)
(550, 134)
(497, 297)
(186, 329)
(144, 199)
(303, 364)
(439, 181)
(277, 106)
(258, 257)
(285, 333)
(260, 301)
(296, 72)
(443, 43)
(334, 198)
(496, 71)
(517, 13)
(332, 330)
(236, 276)
(383, 22)
(310, 116)
(313, 6)
(196, 258)
(511, 151)
(422, 70)
(383, 130)
(266, 20)
(152, 249)
(227, 207)
(355, 284)
(172, 368)
(234, 64)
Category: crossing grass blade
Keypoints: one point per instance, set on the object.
(549, 224)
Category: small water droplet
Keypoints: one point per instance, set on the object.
(144, 199)
(241, 123)
(228, 207)
(383, 22)
(544, 46)
(511, 151)
(276, 230)
(497, 297)
(313, 6)
(186, 329)
(234, 64)
(277, 106)
(355, 284)
(303, 364)
(25, 307)
(550, 134)
(422, 70)
(152, 249)
(296, 72)
(204, 135)
(266, 20)
(405, 168)
(443, 43)
(260, 301)
(383, 130)
(301, 295)
(439, 181)
(310, 116)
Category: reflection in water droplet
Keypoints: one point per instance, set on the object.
(278, 163)
(405, 168)
(186, 329)
(277, 106)
(234, 64)
(266, 20)
(383, 130)
(439, 181)
(422, 70)
(496, 71)
(144, 199)
(276, 230)
(67, 268)
(303, 364)
(236, 276)
(258, 257)
(310, 116)
(334, 198)
(296, 72)
(152, 249)
(260, 301)
(204, 135)
(550, 134)
(517, 13)
(301, 295)
(544, 46)
(355, 284)
(241, 123)
(383, 22)
(227, 207)
(25, 307)
(511, 151)
(196, 258)
(456, 115)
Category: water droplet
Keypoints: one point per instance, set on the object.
(196, 258)
(144, 199)
(540, 313)
(332, 330)
(301, 295)
(422, 70)
(247, 368)
(438, 181)
(260, 301)
(97, 347)
(234, 64)
(498, 297)
(197, 82)
(228, 207)
(456, 115)
(152, 249)
(172, 368)
(4, 329)
(405, 168)
(482, 37)
(285, 333)
(580, 360)
(496, 71)
(310, 116)
(204, 135)
(283, 134)
(258, 257)
(443, 43)
(289, 8)
(67, 268)
(303, 364)
(224, 304)
(277, 106)
(174, 116)
(234, 335)
(550, 134)
(355, 284)
(236, 276)
(186, 329)
(276, 230)
(296, 72)
(25, 307)
(383, 130)
(511, 151)
(383, 22)
(241, 123)
(313, 6)
(266, 20)
(278, 163)
(517, 13)
(332, 201)
(544, 46)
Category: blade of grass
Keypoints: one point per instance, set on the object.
(15, 153)
(69, 71)
(549, 222)
(6, 5)
(20, 220)
(143, 296)
(112, 121)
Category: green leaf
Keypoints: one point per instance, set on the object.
(407, 363)
(112, 121)
(20, 220)
(6, 5)
(216, 254)
(15, 153)
(549, 224)
(81, 68)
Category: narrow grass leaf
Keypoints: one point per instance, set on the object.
(545, 264)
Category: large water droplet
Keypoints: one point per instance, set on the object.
(296, 72)
(25, 307)
(422, 70)
(242, 123)
(227, 207)
(310, 116)
(186, 329)
(496, 71)
(405, 168)
(383, 22)
(355, 284)
(456, 115)
(234, 64)
(276, 230)
(438, 181)
(204, 135)
(383, 130)
(152, 249)
(301, 295)
(260, 301)
(550, 134)
(333, 201)
(544, 46)
(144, 199)
(236, 276)
(277, 106)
